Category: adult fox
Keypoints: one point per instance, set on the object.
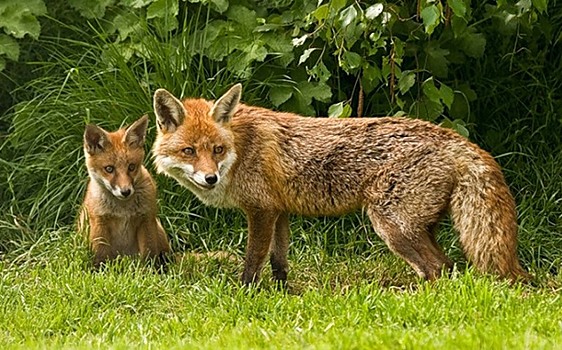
(405, 173)
(120, 203)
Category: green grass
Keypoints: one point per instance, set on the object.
(54, 300)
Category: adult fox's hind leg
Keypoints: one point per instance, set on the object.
(438, 250)
(405, 204)
(411, 242)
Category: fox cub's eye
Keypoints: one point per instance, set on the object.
(109, 169)
(218, 149)
(189, 151)
(132, 167)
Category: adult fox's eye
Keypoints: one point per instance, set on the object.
(218, 149)
(189, 151)
(132, 167)
(109, 169)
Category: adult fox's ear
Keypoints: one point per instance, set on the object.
(135, 134)
(169, 111)
(95, 139)
(226, 106)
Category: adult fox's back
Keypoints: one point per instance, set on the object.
(405, 173)
(321, 166)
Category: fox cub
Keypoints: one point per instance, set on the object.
(405, 173)
(120, 201)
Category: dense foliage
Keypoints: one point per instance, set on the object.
(403, 57)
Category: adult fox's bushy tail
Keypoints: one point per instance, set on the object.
(483, 212)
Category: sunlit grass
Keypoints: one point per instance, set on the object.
(56, 300)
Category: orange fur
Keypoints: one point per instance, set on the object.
(405, 173)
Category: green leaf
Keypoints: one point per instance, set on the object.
(346, 111)
(18, 18)
(374, 11)
(318, 91)
(459, 26)
(306, 55)
(299, 41)
(134, 3)
(460, 107)
(523, 5)
(241, 60)
(426, 109)
(2, 64)
(458, 7)
(162, 9)
(321, 13)
(242, 15)
(430, 91)
(447, 95)
(256, 51)
(348, 15)
(165, 25)
(34, 7)
(437, 63)
(372, 76)
(279, 95)
(372, 73)
(458, 126)
(219, 5)
(335, 110)
(126, 23)
(9, 47)
(337, 5)
(540, 5)
(320, 72)
(350, 61)
(89, 8)
(406, 81)
(473, 44)
(165, 12)
(280, 47)
(431, 17)
(301, 101)
(339, 110)
(399, 102)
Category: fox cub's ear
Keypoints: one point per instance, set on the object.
(134, 136)
(95, 139)
(169, 111)
(226, 106)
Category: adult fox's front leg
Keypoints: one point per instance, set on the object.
(261, 227)
(279, 249)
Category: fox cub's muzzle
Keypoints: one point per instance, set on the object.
(123, 193)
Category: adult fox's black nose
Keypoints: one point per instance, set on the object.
(211, 179)
(125, 193)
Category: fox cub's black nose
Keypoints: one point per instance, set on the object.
(125, 193)
(211, 179)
